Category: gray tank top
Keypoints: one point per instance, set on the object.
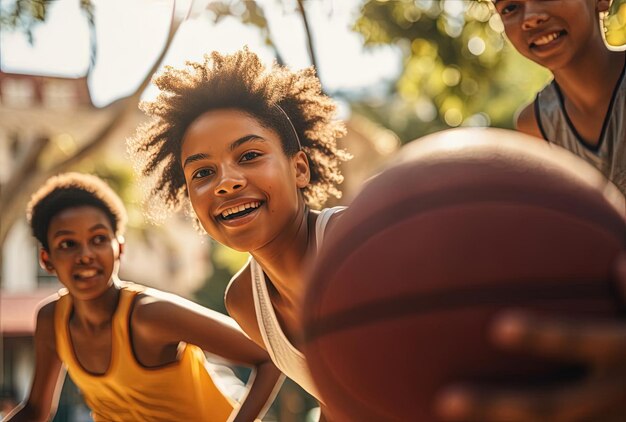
(609, 155)
(284, 354)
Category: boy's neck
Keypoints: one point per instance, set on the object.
(97, 313)
(592, 81)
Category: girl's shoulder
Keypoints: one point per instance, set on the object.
(332, 216)
(238, 297)
(239, 301)
(337, 213)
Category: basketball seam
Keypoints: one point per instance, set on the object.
(613, 224)
(507, 294)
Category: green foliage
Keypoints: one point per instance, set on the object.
(25, 15)
(226, 262)
(248, 12)
(458, 68)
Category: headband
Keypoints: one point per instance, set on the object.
(291, 125)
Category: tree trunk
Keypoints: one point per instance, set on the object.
(309, 37)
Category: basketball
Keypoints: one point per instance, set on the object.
(464, 224)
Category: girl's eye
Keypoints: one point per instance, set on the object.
(199, 174)
(508, 9)
(99, 239)
(250, 155)
(66, 244)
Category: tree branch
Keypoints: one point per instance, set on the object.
(27, 164)
(14, 199)
(309, 36)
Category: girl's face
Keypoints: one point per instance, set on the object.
(243, 188)
(84, 251)
(552, 33)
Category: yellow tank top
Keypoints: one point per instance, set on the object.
(181, 391)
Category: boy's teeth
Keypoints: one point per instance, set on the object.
(87, 273)
(240, 208)
(547, 38)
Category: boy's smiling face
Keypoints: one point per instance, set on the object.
(552, 33)
(84, 251)
(243, 188)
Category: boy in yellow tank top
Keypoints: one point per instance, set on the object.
(135, 353)
(582, 110)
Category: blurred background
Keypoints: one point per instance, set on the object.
(72, 73)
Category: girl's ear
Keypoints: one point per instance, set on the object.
(44, 261)
(303, 171)
(603, 6)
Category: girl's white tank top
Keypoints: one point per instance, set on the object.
(284, 355)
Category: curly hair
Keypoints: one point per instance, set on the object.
(280, 99)
(71, 190)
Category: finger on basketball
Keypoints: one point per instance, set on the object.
(619, 274)
(599, 341)
(580, 401)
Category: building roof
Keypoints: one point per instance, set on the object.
(18, 311)
(23, 90)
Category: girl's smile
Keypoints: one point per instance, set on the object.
(239, 212)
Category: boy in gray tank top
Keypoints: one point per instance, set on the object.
(583, 109)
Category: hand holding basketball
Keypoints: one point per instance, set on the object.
(601, 395)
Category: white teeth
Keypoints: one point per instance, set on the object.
(546, 39)
(87, 273)
(229, 211)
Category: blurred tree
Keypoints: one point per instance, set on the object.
(226, 262)
(458, 69)
(25, 15)
(33, 167)
(252, 13)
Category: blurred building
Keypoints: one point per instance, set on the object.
(172, 257)
(371, 147)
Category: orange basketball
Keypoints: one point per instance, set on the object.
(466, 223)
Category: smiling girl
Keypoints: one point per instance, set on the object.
(252, 150)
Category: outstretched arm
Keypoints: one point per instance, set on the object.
(601, 395)
(44, 394)
(172, 319)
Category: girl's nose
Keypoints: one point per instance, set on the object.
(534, 15)
(230, 181)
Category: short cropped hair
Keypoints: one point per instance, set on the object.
(280, 99)
(71, 190)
